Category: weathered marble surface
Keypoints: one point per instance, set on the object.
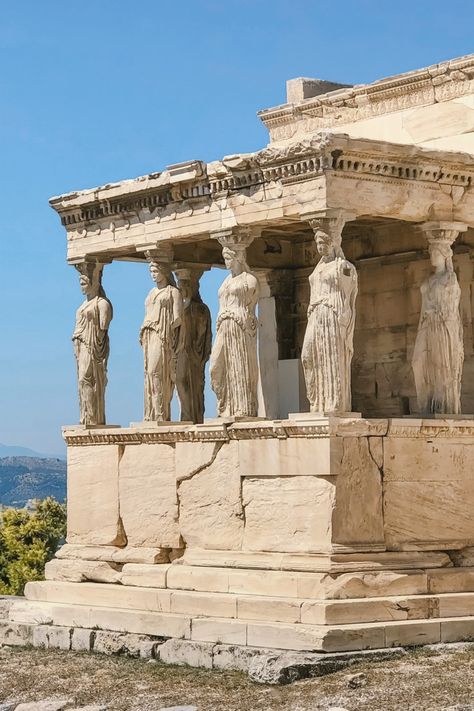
(91, 344)
(93, 516)
(438, 355)
(195, 348)
(328, 342)
(234, 367)
(161, 339)
(301, 486)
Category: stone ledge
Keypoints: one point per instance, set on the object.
(266, 666)
(324, 427)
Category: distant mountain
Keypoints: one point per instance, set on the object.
(9, 450)
(25, 478)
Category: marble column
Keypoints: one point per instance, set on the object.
(234, 363)
(438, 355)
(268, 400)
(161, 336)
(328, 342)
(91, 343)
(196, 346)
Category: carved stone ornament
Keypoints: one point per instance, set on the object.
(439, 351)
(234, 367)
(161, 338)
(328, 342)
(196, 346)
(91, 344)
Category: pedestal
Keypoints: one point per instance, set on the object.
(322, 533)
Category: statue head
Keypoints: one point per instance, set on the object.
(188, 284)
(90, 279)
(441, 253)
(234, 244)
(328, 236)
(235, 257)
(160, 270)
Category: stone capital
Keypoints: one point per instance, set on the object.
(442, 231)
(330, 220)
(186, 273)
(236, 236)
(161, 253)
(91, 267)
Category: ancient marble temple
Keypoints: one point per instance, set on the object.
(327, 505)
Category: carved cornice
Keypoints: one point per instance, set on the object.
(290, 162)
(439, 82)
(272, 429)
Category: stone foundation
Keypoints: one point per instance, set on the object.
(311, 534)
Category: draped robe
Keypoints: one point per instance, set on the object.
(234, 369)
(328, 341)
(439, 351)
(158, 337)
(91, 345)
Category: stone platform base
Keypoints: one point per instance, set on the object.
(266, 666)
(264, 609)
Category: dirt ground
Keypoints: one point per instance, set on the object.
(420, 680)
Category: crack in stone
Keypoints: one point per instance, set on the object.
(201, 467)
(191, 475)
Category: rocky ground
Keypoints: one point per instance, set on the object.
(420, 680)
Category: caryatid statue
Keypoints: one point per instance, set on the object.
(160, 337)
(234, 367)
(328, 341)
(439, 351)
(196, 346)
(91, 344)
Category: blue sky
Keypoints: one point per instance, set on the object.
(102, 90)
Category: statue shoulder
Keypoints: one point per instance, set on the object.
(252, 280)
(347, 268)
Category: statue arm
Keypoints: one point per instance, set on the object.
(252, 283)
(349, 284)
(177, 324)
(105, 314)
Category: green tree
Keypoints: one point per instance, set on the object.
(28, 539)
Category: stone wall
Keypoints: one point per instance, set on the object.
(303, 486)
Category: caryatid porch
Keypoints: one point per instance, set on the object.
(295, 531)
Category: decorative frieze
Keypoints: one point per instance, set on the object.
(286, 163)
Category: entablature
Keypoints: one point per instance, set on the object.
(281, 184)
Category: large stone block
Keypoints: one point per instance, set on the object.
(341, 612)
(113, 596)
(412, 633)
(148, 496)
(206, 604)
(93, 515)
(358, 516)
(185, 652)
(427, 459)
(294, 456)
(219, 631)
(430, 515)
(268, 608)
(52, 637)
(147, 576)
(288, 514)
(211, 514)
(78, 571)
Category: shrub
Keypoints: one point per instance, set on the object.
(28, 539)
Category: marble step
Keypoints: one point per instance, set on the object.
(262, 608)
(316, 586)
(252, 633)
